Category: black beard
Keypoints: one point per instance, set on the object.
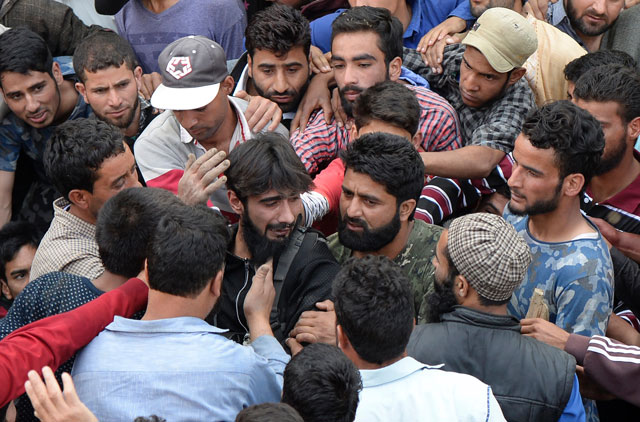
(369, 240)
(615, 157)
(539, 207)
(347, 106)
(441, 300)
(285, 108)
(580, 26)
(261, 247)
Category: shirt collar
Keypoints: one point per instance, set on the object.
(416, 19)
(169, 325)
(60, 209)
(400, 369)
(242, 81)
(557, 13)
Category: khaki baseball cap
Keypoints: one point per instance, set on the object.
(504, 37)
(192, 69)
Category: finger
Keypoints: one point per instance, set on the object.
(203, 159)
(295, 123)
(53, 389)
(190, 160)
(213, 160)
(242, 94)
(70, 395)
(294, 346)
(211, 175)
(325, 305)
(324, 64)
(217, 184)
(304, 118)
(275, 119)
(306, 338)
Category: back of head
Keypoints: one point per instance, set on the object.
(490, 254)
(389, 102)
(278, 29)
(126, 224)
(102, 50)
(23, 51)
(504, 37)
(13, 236)
(77, 149)
(390, 160)
(269, 412)
(615, 83)
(374, 307)
(187, 250)
(575, 136)
(372, 19)
(578, 67)
(265, 162)
(322, 384)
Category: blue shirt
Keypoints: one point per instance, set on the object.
(425, 15)
(574, 410)
(16, 136)
(181, 369)
(576, 277)
(557, 16)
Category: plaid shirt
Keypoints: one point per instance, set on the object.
(53, 21)
(320, 142)
(69, 246)
(495, 125)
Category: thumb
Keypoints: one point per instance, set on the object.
(190, 160)
(325, 305)
(294, 346)
(243, 95)
(263, 271)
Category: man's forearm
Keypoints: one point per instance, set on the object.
(469, 162)
(53, 340)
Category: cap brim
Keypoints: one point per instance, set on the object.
(497, 61)
(166, 98)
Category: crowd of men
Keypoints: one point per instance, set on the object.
(415, 210)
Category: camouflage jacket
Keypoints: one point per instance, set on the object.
(576, 277)
(415, 259)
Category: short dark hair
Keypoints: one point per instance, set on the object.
(23, 51)
(126, 224)
(76, 150)
(390, 160)
(374, 19)
(575, 136)
(13, 236)
(102, 50)
(322, 384)
(581, 65)
(374, 307)
(187, 250)
(615, 83)
(278, 28)
(269, 412)
(389, 102)
(267, 161)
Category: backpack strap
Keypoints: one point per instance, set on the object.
(302, 241)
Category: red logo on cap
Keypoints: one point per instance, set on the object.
(179, 67)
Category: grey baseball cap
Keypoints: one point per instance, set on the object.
(489, 252)
(192, 69)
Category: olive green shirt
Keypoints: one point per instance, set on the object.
(415, 259)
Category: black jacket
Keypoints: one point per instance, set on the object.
(531, 380)
(308, 281)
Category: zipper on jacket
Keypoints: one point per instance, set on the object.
(246, 281)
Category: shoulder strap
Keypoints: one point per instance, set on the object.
(301, 241)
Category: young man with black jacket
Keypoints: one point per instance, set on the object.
(264, 183)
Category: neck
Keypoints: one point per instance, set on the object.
(68, 101)
(403, 13)
(240, 247)
(495, 310)
(221, 139)
(163, 306)
(562, 224)
(82, 214)
(591, 42)
(158, 6)
(132, 129)
(109, 281)
(517, 7)
(606, 185)
(363, 364)
(392, 249)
